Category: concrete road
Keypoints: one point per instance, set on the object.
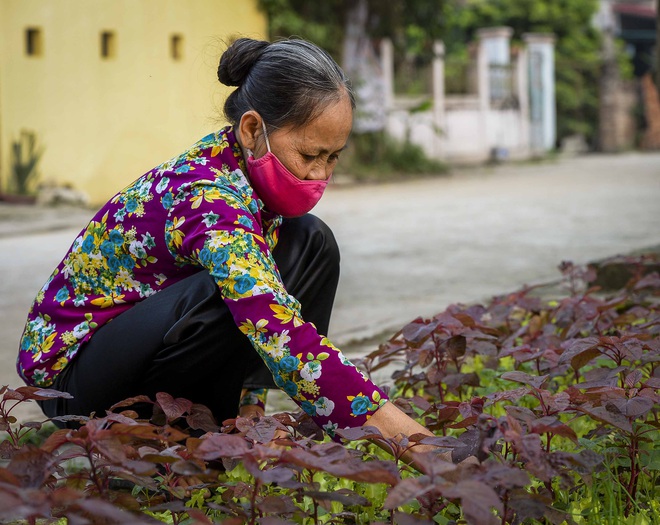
(410, 248)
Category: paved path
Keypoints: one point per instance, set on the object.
(411, 249)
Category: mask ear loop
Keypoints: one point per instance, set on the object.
(265, 134)
(249, 151)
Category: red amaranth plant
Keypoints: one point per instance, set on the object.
(532, 395)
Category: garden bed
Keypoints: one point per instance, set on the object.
(545, 399)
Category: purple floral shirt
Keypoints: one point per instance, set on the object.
(196, 211)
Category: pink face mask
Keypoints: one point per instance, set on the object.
(279, 189)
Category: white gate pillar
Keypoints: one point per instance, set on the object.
(387, 66)
(439, 111)
(543, 107)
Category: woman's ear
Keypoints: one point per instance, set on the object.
(249, 129)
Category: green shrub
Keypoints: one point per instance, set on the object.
(25, 156)
(377, 156)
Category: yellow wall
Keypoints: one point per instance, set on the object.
(103, 122)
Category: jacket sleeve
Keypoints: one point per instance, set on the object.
(220, 233)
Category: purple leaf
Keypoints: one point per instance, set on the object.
(652, 382)
(7, 450)
(140, 481)
(120, 418)
(407, 490)
(109, 513)
(454, 381)
(477, 500)
(188, 468)
(41, 394)
(214, 446)
(139, 431)
(67, 419)
(277, 505)
(471, 441)
(525, 379)
(435, 465)
(339, 463)
(267, 476)
(173, 408)
(55, 440)
(503, 476)
(580, 351)
(535, 457)
(604, 415)
(200, 417)
(631, 408)
(20, 503)
(648, 281)
(264, 430)
(446, 442)
(449, 321)
(31, 466)
(456, 346)
(425, 358)
(521, 413)
(633, 378)
(558, 402)
(600, 377)
(507, 395)
(169, 455)
(359, 433)
(553, 425)
(418, 330)
(528, 505)
(131, 401)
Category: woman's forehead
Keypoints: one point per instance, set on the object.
(329, 131)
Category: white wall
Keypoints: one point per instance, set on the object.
(467, 128)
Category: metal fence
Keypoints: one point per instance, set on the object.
(502, 86)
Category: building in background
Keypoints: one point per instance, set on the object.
(110, 88)
(635, 23)
(507, 111)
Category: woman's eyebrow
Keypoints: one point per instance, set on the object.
(323, 150)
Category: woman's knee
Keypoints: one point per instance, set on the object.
(314, 234)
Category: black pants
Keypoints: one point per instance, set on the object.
(183, 340)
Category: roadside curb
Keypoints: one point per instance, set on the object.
(29, 219)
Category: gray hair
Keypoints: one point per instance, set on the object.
(288, 82)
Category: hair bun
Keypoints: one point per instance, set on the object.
(238, 59)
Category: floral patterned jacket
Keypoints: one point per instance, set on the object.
(196, 211)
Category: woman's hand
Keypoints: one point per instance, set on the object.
(256, 411)
(251, 411)
(393, 423)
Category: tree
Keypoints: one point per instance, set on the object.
(348, 29)
(413, 25)
(329, 22)
(578, 58)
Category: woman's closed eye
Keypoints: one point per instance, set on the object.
(329, 159)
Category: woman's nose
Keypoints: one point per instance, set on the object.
(320, 172)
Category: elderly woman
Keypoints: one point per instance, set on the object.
(206, 278)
